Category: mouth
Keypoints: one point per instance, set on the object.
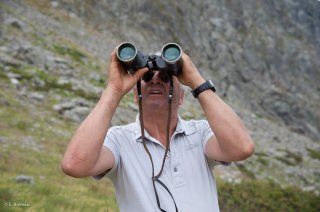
(155, 92)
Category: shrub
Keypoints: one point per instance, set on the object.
(265, 196)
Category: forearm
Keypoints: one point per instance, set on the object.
(232, 137)
(231, 141)
(85, 146)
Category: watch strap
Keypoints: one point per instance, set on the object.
(205, 86)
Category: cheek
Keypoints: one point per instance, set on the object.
(178, 98)
(135, 95)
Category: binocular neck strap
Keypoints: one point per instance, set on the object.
(156, 178)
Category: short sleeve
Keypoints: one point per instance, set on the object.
(206, 133)
(111, 142)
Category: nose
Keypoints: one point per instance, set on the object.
(156, 78)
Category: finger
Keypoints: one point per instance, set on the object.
(114, 56)
(139, 73)
(115, 63)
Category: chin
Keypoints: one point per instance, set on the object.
(156, 106)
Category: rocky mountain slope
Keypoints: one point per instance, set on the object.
(262, 55)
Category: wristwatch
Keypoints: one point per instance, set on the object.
(205, 86)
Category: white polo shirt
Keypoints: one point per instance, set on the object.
(187, 172)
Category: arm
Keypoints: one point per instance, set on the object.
(231, 141)
(85, 154)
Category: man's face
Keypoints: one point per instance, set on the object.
(156, 91)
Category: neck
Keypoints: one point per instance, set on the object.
(155, 122)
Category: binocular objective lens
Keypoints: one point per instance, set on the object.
(171, 52)
(127, 53)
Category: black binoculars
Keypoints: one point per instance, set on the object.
(169, 62)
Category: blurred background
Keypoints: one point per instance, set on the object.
(263, 57)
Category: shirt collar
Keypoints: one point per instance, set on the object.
(182, 127)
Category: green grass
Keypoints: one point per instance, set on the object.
(263, 161)
(73, 53)
(295, 157)
(285, 161)
(262, 158)
(265, 196)
(245, 171)
(127, 99)
(50, 83)
(52, 190)
(49, 134)
(58, 193)
(314, 153)
(290, 159)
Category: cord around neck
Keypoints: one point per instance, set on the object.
(156, 178)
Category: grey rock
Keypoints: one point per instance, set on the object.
(15, 23)
(14, 81)
(77, 114)
(9, 61)
(30, 143)
(3, 140)
(95, 76)
(54, 3)
(25, 179)
(70, 104)
(36, 96)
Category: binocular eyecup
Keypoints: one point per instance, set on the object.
(169, 63)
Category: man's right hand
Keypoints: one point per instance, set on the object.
(85, 154)
(119, 81)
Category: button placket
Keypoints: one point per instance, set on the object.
(176, 170)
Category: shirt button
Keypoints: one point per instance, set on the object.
(175, 169)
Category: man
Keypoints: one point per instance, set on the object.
(133, 159)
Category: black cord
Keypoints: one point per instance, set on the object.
(156, 178)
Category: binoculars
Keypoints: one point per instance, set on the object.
(169, 62)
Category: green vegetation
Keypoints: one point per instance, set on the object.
(262, 158)
(127, 100)
(265, 196)
(73, 53)
(32, 144)
(296, 157)
(40, 80)
(245, 171)
(314, 153)
(286, 161)
(291, 158)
